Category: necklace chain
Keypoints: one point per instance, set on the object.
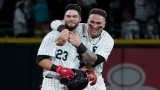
(95, 42)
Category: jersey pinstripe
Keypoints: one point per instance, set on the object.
(60, 55)
(101, 45)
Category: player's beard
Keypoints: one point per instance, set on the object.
(71, 28)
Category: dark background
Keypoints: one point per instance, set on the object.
(18, 67)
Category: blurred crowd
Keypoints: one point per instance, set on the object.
(127, 19)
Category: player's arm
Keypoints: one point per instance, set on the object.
(45, 63)
(87, 55)
(90, 57)
(44, 51)
(64, 32)
(101, 55)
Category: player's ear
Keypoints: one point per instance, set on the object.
(104, 24)
(87, 20)
(80, 19)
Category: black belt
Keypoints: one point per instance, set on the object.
(57, 77)
(49, 77)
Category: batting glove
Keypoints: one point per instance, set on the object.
(92, 77)
(65, 72)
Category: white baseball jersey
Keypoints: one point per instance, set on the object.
(101, 45)
(60, 55)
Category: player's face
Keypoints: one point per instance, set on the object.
(72, 19)
(96, 23)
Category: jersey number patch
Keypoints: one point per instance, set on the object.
(62, 54)
(94, 48)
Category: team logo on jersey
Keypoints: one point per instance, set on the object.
(94, 48)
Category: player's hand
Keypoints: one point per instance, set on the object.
(62, 38)
(92, 77)
(65, 72)
(74, 39)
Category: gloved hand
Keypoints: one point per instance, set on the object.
(65, 72)
(92, 77)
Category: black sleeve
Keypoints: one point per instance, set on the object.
(100, 59)
(61, 27)
(81, 65)
(41, 57)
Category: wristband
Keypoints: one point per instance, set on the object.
(53, 68)
(61, 28)
(81, 48)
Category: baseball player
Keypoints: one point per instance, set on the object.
(58, 61)
(96, 43)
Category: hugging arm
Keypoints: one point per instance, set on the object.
(64, 32)
(87, 55)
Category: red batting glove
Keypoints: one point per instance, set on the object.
(65, 72)
(92, 77)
